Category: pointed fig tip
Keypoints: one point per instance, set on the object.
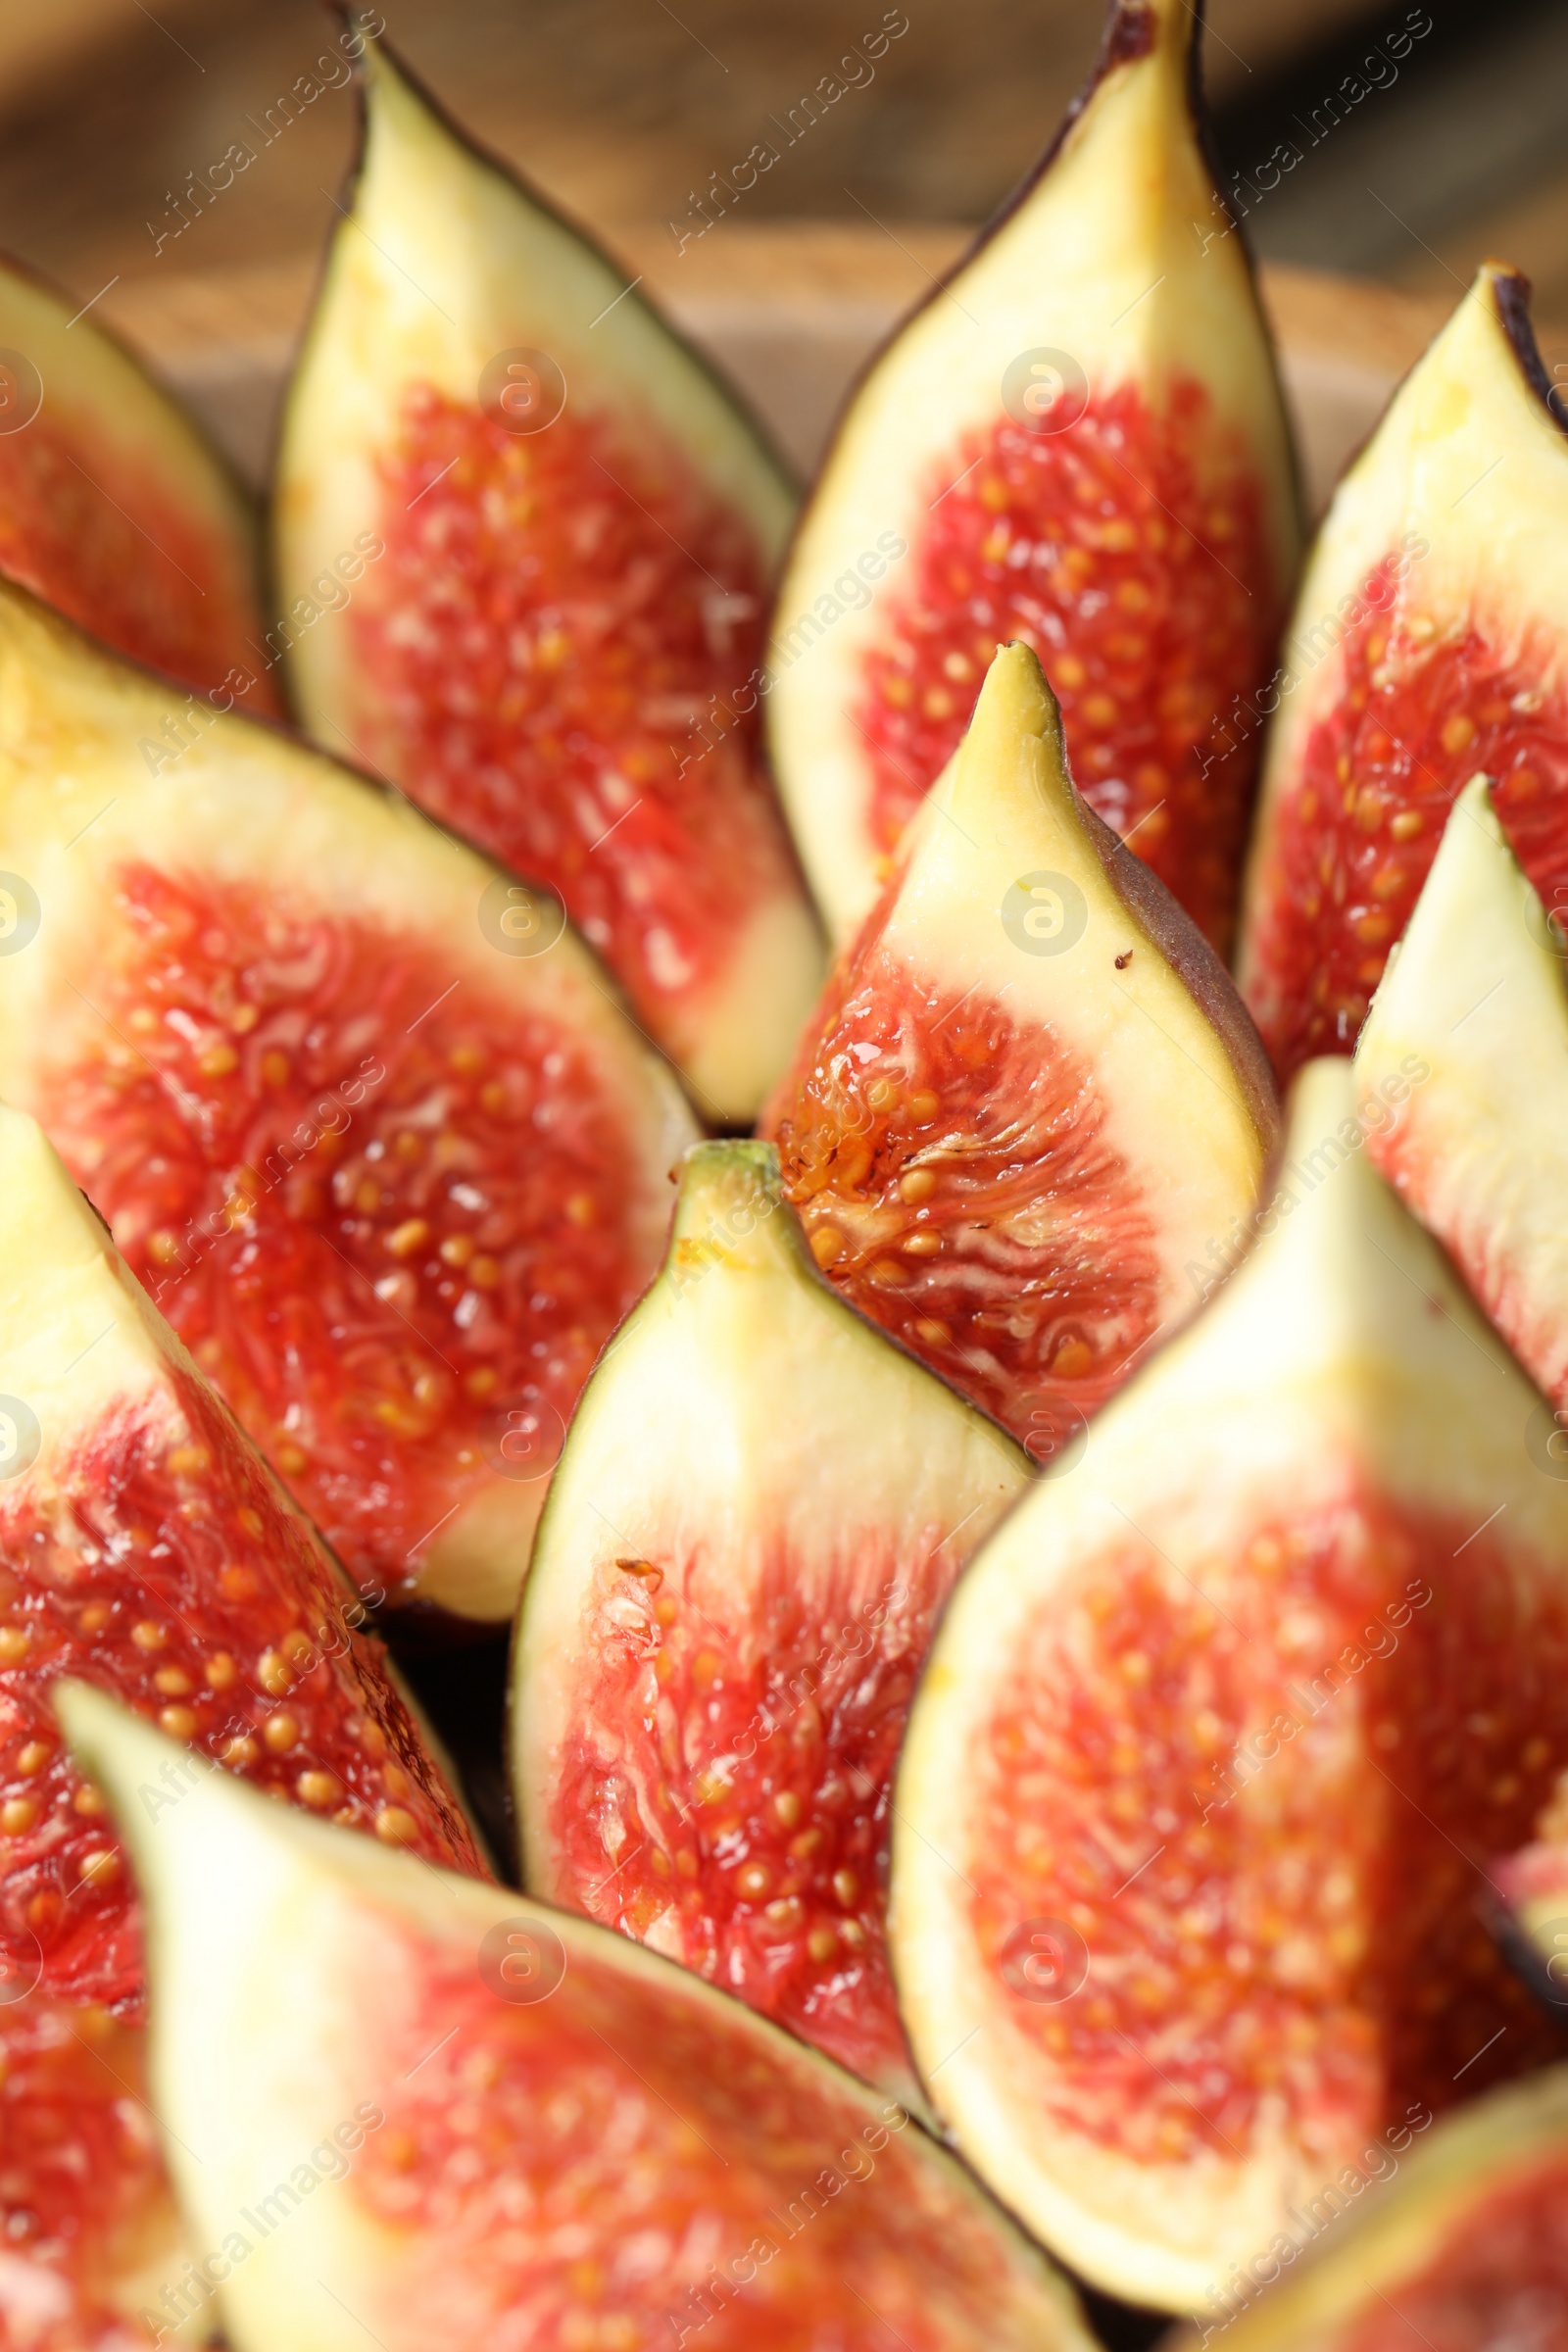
(729, 1186)
(1134, 28)
(719, 1156)
(1016, 684)
(1322, 1093)
(87, 1715)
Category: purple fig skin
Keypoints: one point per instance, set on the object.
(1190, 956)
(1196, 964)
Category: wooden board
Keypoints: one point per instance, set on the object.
(791, 310)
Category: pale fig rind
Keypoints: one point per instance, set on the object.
(1123, 1007)
(290, 1963)
(796, 1495)
(96, 1386)
(95, 397)
(445, 264)
(1444, 546)
(1118, 252)
(1356, 2264)
(241, 802)
(1474, 999)
(1341, 1369)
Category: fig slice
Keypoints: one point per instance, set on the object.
(1427, 644)
(1030, 1109)
(1462, 2248)
(115, 508)
(392, 1174)
(558, 652)
(1077, 441)
(760, 1509)
(543, 2132)
(1217, 1742)
(1473, 1005)
(144, 1546)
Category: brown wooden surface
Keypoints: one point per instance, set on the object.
(791, 309)
(622, 107)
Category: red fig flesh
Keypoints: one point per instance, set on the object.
(1427, 646)
(1219, 1738)
(558, 652)
(761, 1507)
(144, 1547)
(1077, 442)
(361, 1112)
(1030, 1102)
(546, 2131)
(114, 507)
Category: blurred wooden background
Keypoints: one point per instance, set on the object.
(622, 108)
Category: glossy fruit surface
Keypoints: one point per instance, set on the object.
(992, 1131)
(1147, 625)
(362, 1113)
(405, 1267)
(145, 1548)
(545, 2130)
(761, 1507)
(1077, 442)
(161, 1564)
(1218, 1741)
(112, 506)
(1425, 648)
(558, 649)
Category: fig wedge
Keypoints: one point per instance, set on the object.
(361, 1111)
(1030, 1104)
(1427, 644)
(1217, 1739)
(146, 1548)
(558, 652)
(1078, 441)
(1474, 1000)
(1462, 2248)
(760, 1509)
(446, 2115)
(114, 507)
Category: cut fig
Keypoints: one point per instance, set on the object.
(1473, 1002)
(558, 651)
(1030, 1104)
(114, 507)
(1428, 644)
(144, 1546)
(760, 1509)
(1465, 2249)
(1078, 441)
(1217, 1739)
(361, 1111)
(487, 2123)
